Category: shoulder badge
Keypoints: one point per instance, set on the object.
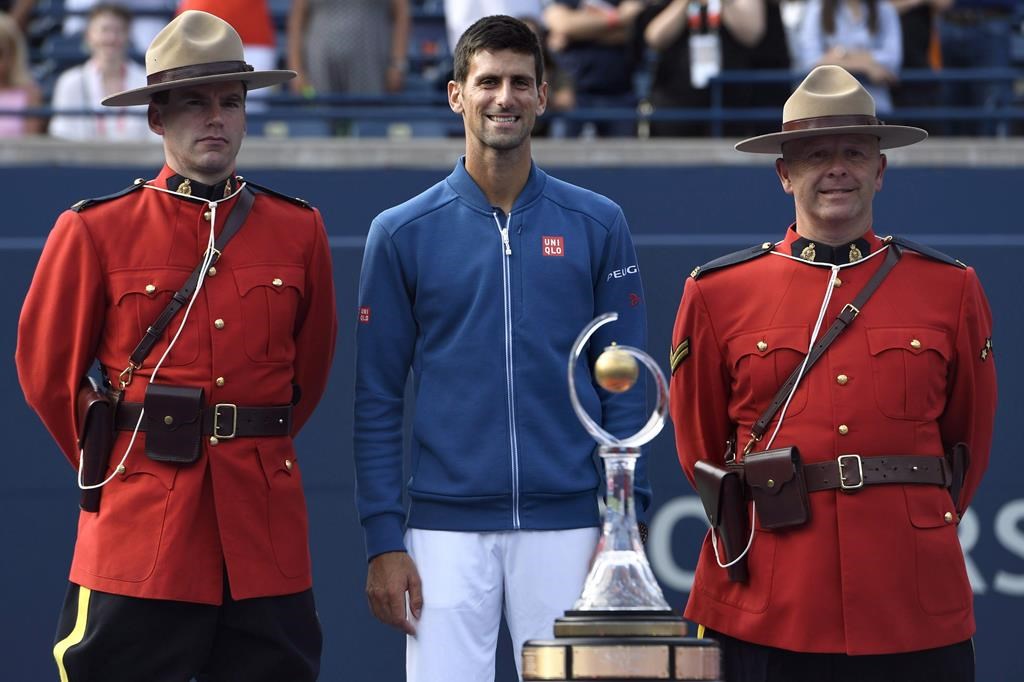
(266, 190)
(929, 252)
(735, 258)
(86, 203)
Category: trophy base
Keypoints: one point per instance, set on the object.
(620, 646)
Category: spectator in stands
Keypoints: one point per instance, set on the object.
(149, 16)
(350, 46)
(919, 28)
(862, 36)
(460, 14)
(741, 35)
(17, 89)
(976, 34)
(592, 40)
(561, 94)
(107, 71)
(20, 11)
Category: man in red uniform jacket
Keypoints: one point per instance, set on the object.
(194, 568)
(873, 585)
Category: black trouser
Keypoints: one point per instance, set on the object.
(127, 639)
(746, 662)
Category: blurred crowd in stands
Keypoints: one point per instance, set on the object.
(615, 68)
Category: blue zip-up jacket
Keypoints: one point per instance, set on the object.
(484, 308)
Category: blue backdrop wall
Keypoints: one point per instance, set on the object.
(680, 217)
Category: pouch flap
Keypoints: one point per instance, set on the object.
(170, 408)
(93, 402)
(768, 472)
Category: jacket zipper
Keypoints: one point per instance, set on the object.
(509, 373)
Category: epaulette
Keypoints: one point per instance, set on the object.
(734, 258)
(928, 251)
(86, 203)
(266, 190)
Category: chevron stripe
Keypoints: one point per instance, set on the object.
(680, 353)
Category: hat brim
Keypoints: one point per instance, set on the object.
(252, 79)
(889, 136)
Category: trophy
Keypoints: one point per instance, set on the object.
(621, 627)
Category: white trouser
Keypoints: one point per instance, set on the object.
(467, 577)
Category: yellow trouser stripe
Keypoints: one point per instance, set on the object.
(700, 631)
(77, 633)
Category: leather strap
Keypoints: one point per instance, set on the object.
(238, 214)
(842, 321)
(223, 420)
(852, 472)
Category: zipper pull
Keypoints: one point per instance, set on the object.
(504, 240)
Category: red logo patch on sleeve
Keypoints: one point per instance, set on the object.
(553, 246)
(364, 314)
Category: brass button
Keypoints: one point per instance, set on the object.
(214, 440)
(771, 483)
(842, 379)
(207, 215)
(948, 517)
(837, 283)
(150, 288)
(277, 282)
(288, 464)
(915, 344)
(843, 429)
(212, 272)
(168, 420)
(121, 469)
(218, 323)
(766, 245)
(762, 346)
(219, 381)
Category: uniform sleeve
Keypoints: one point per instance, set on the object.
(385, 338)
(59, 328)
(971, 404)
(316, 330)
(700, 384)
(623, 414)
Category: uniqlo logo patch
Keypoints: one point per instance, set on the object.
(364, 314)
(553, 246)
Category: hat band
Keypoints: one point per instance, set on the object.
(197, 71)
(830, 122)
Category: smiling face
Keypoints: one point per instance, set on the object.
(107, 35)
(833, 180)
(499, 100)
(202, 127)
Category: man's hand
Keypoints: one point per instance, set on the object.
(389, 577)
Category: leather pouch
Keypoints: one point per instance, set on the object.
(721, 491)
(174, 423)
(776, 481)
(959, 458)
(95, 406)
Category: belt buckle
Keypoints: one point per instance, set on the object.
(217, 417)
(842, 477)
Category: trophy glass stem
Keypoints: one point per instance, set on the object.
(620, 531)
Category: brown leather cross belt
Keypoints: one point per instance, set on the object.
(223, 420)
(852, 472)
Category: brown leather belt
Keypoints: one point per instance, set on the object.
(849, 473)
(223, 420)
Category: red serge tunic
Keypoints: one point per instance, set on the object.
(878, 570)
(263, 320)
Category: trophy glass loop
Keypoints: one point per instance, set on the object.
(620, 577)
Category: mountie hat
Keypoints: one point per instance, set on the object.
(195, 48)
(830, 101)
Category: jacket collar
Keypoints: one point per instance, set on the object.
(816, 252)
(187, 186)
(470, 192)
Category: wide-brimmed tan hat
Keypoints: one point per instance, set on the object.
(194, 49)
(830, 101)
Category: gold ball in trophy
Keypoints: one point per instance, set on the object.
(616, 370)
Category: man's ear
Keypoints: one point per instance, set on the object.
(156, 121)
(782, 170)
(455, 96)
(542, 98)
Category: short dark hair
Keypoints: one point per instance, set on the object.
(164, 96)
(498, 32)
(119, 11)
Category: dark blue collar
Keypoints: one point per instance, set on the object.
(466, 187)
